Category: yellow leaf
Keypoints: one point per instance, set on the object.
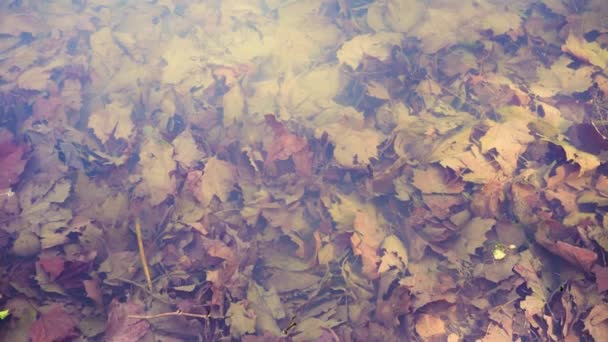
(157, 164)
(560, 79)
(113, 120)
(354, 147)
(587, 161)
(394, 255)
(240, 319)
(508, 138)
(591, 52)
(378, 45)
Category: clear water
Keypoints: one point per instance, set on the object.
(314, 170)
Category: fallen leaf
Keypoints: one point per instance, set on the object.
(53, 325)
(93, 291)
(377, 45)
(12, 158)
(597, 322)
(587, 161)
(114, 120)
(157, 165)
(287, 145)
(218, 179)
(508, 138)
(240, 319)
(35, 78)
(394, 254)
(473, 236)
(428, 325)
(591, 52)
(53, 265)
(354, 147)
(120, 327)
(560, 79)
(187, 152)
(436, 180)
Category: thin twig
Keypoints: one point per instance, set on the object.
(167, 314)
(142, 254)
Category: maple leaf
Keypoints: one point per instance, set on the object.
(53, 325)
(218, 179)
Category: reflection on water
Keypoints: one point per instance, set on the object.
(311, 170)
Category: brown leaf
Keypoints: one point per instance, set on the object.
(436, 180)
(53, 325)
(285, 145)
(369, 256)
(579, 256)
(486, 202)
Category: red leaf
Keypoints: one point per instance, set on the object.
(53, 265)
(54, 325)
(120, 327)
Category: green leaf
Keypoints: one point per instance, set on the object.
(4, 314)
